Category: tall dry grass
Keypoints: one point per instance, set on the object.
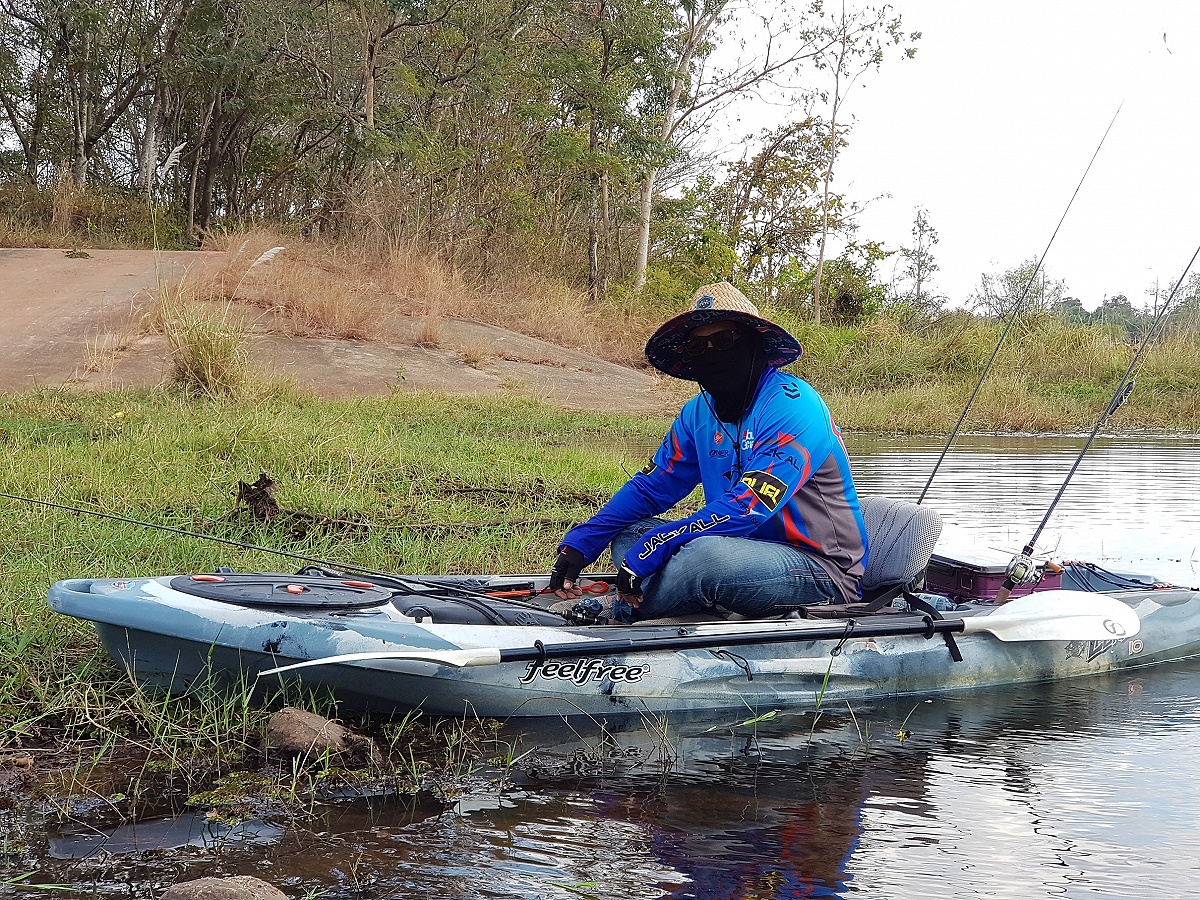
(63, 203)
(92, 216)
(378, 290)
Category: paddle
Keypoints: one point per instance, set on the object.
(1041, 616)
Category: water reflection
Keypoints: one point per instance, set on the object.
(76, 841)
(1056, 790)
(1000, 794)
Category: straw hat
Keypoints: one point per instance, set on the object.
(717, 303)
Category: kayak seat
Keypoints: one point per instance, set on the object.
(900, 539)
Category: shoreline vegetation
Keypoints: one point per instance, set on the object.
(892, 371)
(420, 483)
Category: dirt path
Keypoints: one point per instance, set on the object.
(75, 321)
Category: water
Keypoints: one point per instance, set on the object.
(1131, 504)
(1081, 789)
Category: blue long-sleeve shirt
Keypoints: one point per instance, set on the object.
(781, 474)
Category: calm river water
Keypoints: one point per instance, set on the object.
(1081, 789)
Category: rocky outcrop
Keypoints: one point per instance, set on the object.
(237, 887)
(303, 735)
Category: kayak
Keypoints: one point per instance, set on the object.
(492, 646)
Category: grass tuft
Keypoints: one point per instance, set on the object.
(208, 343)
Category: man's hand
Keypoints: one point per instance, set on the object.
(564, 577)
(629, 586)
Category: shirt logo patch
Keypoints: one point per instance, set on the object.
(718, 437)
(766, 487)
(649, 468)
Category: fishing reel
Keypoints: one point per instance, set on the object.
(587, 611)
(597, 611)
(1022, 570)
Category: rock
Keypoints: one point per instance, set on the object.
(237, 887)
(299, 733)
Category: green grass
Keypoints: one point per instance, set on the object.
(1048, 377)
(397, 484)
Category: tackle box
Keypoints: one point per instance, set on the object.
(978, 574)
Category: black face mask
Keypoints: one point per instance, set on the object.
(731, 376)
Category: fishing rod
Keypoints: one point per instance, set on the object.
(341, 568)
(1022, 569)
(1017, 308)
(241, 545)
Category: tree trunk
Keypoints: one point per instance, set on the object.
(368, 67)
(212, 161)
(642, 261)
(195, 173)
(149, 155)
(697, 29)
(81, 114)
(606, 234)
(825, 194)
(593, 219)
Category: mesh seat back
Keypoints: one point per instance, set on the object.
(900, 539)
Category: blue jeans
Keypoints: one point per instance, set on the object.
(745, 576)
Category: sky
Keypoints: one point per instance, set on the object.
(991, 126)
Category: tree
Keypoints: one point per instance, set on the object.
(771, 206)
(851, 288)
(695, 90)
(854, 44)
(998, 295)
(919, 267)
(1071, 309)
(112, 54)
(1185, 308)
(605, 56)
(31, 60)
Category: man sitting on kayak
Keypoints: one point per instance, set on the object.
(781, 526)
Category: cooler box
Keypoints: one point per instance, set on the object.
(977, 574)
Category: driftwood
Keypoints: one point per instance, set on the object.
(258, 501)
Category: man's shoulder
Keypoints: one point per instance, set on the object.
(788, 388)
(694, 410)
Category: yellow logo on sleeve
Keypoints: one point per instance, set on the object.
(766, 487)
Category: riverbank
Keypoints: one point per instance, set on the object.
(415, 482)
(261, 318)
(411, 483)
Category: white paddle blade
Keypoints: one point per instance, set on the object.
(1058, 616)
(483, 656)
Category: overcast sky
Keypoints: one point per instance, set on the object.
(991, 125)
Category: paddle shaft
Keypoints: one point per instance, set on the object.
(1050, 616)
(851, 629)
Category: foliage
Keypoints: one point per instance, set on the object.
(772, 205)
(852, 292)
(914, 297)
(1026, 286)
(501, 136)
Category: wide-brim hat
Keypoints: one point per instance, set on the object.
(717, 303)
